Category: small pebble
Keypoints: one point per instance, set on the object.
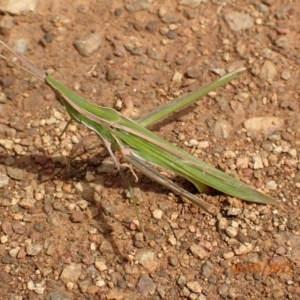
(171, 35)
(194, 286)
(271, 185)
(228, 255)
(88, 44)
(231, 231)
(20, 47)
(234, 211)
(157, 214)
(198, 251)
(4, 180)
(257, 162)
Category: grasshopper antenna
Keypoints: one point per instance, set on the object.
(24, 64)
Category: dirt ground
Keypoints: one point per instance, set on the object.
(76, 236)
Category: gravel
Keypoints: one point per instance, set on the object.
(75, 235)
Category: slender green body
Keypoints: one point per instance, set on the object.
(146, 146)
(144, 149)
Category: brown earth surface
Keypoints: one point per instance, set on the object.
(77, 237)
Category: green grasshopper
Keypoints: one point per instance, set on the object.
(143, 149)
